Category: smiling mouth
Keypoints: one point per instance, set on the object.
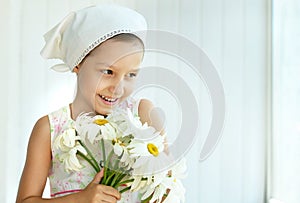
(109, 100)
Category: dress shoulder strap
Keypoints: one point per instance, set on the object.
(60, 120)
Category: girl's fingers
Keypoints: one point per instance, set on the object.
(98, 177)
(108, 198)
(107, 193)
(111, 191)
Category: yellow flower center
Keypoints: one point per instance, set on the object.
(152, 149)
(100, 121)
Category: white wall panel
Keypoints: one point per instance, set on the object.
(233, 33)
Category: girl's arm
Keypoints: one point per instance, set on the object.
(36, 169)
(37, 163)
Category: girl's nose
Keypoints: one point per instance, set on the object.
(117, 88)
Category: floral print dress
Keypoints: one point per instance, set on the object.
(64, 182)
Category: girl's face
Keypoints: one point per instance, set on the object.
(107, 76)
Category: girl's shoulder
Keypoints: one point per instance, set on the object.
(147, 112)
(145, 108)
(151, 114)
(42, 125)
(39, 140)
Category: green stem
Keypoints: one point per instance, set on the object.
(119, 175)
(125, 189)
(127, 181)
(107, 163)
(107, 167)
(103, 150)
(124, 182)
(88, 160)
(106, 171)
(90, 155)
(108, 182)
(117, 178)
(116, 164)
(147, 199)
(103, 180)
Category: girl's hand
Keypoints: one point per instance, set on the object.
(97, 193)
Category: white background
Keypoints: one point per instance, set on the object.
(255, 158)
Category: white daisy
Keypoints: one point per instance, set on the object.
(70, 159)
(94, 128)
(164, 186)
(149, 155)
(139, 182)
(176, 193)
(86, 127)
(139, 130)
(66, 140)
(156, 193)
(179, 169)
(147, 147)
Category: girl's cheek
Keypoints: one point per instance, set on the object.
(129, 89)
(101, 82)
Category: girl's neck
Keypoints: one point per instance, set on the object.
(76, 109)
(73, 117)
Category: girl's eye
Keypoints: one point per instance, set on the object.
(132, 75)
(107, 71)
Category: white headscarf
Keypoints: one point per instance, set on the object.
(81, 31)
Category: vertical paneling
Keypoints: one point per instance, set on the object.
(213, 29)
(189, 20)
(148, 9)
(211, 26)
(233, 80)
(255, 98)
(5, 23)
(285, 181)
(13, 133)
(167, 15)
(232, 33)
(31, 67)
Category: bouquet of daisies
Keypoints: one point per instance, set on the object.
(132, 154)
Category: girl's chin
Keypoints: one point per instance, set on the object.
(103, 112)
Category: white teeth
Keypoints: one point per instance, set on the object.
(108, 99)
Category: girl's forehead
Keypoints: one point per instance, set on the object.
(112, 51)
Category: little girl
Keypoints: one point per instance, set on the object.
(102, 45)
